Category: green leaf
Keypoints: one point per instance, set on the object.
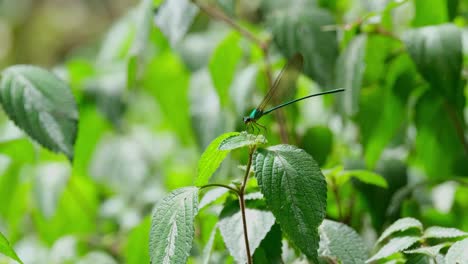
(270, 249)
(349, 73)
(174, 18)
(419, 259)
(457, 253)
(241, 140)
(259, 222)
(172, 227)
(364, 176)
(212, 158)
(400, 225)
(7, 250)
(295, 190)
(397, 244)
(300, 30)
(430, 12)
(340, 242)
(437, 52)
(428, 251)
(443, 232)
(223, 65)
(42, 105)
(136, 250)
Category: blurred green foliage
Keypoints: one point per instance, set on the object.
(156, 81)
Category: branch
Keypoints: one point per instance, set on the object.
(242, 205)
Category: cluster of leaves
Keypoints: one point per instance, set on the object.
(152, 97)
(405, 241)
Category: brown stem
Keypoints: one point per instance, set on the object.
(457, 124)
(242, 205)
(218, 14)
(221, 185)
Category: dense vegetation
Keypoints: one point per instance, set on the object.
(135, 151)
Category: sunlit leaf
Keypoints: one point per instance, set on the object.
(340, 242)
(172, 227)
(211, 159)
(443, 232)
(136, 250)
(393, 246)
(399, 226)
(241, 140)
(364, 176)
(230, 225)
(429, 251)
(457, 253)
(295, 191)
(174, 18)
(7, 250)
(42, 105)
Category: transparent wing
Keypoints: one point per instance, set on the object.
(285, 81)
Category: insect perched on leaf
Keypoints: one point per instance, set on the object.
(285, 81)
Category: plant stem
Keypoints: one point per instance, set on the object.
(242, 205)
(218, 14)
(236, 191)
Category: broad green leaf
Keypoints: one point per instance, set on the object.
(400, 225)
(118, 41)
(437, 53)
(172, 227)
(443, 232)
(430, 12)
(136, 249)
(223, 65)
(7, 250)
(295, 191)
(340, 242)
(259, 223)
(212, 158)
(397, 244)
(50, 182)
(298, 29)
(174, 18)
(349, 73)
(270, 249)
(242, 140)
(42, 105)
(429, 251)
(457, 253)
